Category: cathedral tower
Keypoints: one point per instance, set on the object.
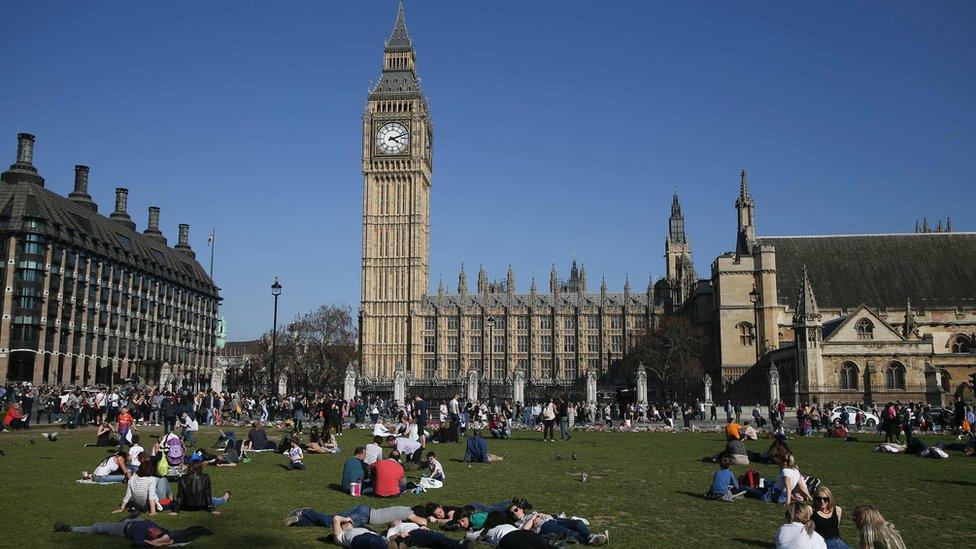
(808, 337)
(397, 145)
(677, 254)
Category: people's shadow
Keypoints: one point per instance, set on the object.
(696, 495)
(755, 542)
(955, 482)
(337, 487)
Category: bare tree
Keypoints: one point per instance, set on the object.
(321, 344)
(671, 352)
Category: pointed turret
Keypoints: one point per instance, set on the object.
(676, 223)
(911, 323)
(533, 290)
(582, 280)
(482, 280)
(574, 272)
(400, 37)
(603, 290)
(746, 207)
(440, 288)
(399, 79)
(553, 280)
(510, 281)
(948, 224)
(806, 302)
(627, 290)
(462, 282)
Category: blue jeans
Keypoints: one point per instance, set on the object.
(162, 487)
(564, 428)
(108, 479)
(367, 541)
(430, 538)
(114, 529)
(310, 517)
(836, 543)
(566, 527)
(188, 438)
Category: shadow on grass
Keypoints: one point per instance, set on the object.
(955, 482)
(696, 495)
(754, 542)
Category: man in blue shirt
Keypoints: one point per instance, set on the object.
(355, 469)
(724, 485)
(477, 450)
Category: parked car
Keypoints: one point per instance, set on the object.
(870, 420)
(943, 416)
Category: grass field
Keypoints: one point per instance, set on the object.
(644, 487)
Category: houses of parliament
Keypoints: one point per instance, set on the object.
(804, 318)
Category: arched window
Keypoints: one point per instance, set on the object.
(747, 333)
(848, 376)
(945, 381)
(895, 376)
(961, 344)
(865, 329)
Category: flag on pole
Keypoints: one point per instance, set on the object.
(210, 238)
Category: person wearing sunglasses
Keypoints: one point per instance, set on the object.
(826, 518)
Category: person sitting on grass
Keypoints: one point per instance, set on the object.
(749, 432)
(346, 535)
(476, 450)
(875, 531)
(195, 492)
(104, 436)
(496, 426)
(295, 457)
(826, 518)
(15, 420)
(317, 444)
(190, 427)
(798, 532)
(838, 430)
(406, 447)
(732, 430)
(140, 491)
(388, 476)
(724, 484)
(787, 486)
(111, 469)
(435, 470)
(355, 470)
(257, 439)
(548, 525)
(360, 516)
(142, 533)
(374, 451)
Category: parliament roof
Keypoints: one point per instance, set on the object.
(934, 270)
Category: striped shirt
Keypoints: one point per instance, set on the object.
(140, 490)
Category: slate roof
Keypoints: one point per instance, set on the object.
(81, 227)
(932, 269)
(400, 37)
(395, 84)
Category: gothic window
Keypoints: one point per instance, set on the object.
(593, 365)
(499, 344)
(615, 322)
(499, 323)
(453, 369)
(545, 323)
(569, 344)
(616, 343)
(430, 344)
(895, 376)
(545, 344)
(640, 322)
(593, 343)
(945, 381)
(430, 366)
(569, 369)
(476, 323)
(848, 376)
(522, 323)
(523, 344)
(961, 344)
(475, 344)
(545, 365)
(569, 323)
(452, 323)
(864, 329)
(499, 368)
(593, 322)
(430, 323)
(747, 333)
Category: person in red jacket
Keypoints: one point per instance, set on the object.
(388, 476)
(125, 424)
(14, 418)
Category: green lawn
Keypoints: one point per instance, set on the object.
(644, 487)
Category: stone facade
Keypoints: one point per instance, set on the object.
(87, 298)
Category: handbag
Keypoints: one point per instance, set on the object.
(162, 468)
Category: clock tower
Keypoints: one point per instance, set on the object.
(397, 135)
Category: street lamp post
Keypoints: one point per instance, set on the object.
(490, 322)
(275, 291)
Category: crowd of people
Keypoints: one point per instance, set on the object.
(170, 475)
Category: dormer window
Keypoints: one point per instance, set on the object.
(864, 329)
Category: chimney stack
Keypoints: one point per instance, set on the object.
(184, 241)
(80, 194)
(121, 201)
(25, 148)
(23, 170)
(152, 231)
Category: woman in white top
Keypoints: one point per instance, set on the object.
(141, 489)
(798, 532)
(787, 482)
(113, 469)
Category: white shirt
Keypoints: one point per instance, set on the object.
(134, 455)
(100, 400)
(407, 446)
(435, 468)
(106, 468)
(402, 528)
(495, 535)
(792, 474)
(453, 407)
(794, 536)
(295, 454)
(345, 537)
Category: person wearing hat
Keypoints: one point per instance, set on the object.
(195, 492)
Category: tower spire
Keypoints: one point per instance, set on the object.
(911, 324)
(806, 302)
(746, 207)
(400, 37)
(462, 281)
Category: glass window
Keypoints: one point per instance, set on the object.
(747, 333)
(865, 329)
(522, 323)
(430, 344)
(475, 343)
(452, 323)
(452, 344)
(848, 376)
(499, 368)
(895, 376)
(961, 344)
(615, 322)
(593, 343)
(499, 346)
(523, 344)
(545, 344)
(616, 343)
(545, 323)
(593, 322)
(569, 369)
(475, 323)
(569, 323)
(569, 344)
(453, 368)
(430, 367)
(430, 323)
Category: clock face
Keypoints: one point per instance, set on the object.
(392, 138)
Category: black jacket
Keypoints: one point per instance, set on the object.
(194, 494)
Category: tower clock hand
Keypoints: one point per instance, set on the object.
(397, 137)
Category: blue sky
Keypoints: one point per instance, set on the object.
(561, 128)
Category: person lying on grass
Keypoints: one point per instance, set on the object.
(548, 525)
(346, 535)
(497, 528)
(410, 534)
(360, 516)
(142, 533)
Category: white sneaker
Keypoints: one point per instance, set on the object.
(597, 539)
